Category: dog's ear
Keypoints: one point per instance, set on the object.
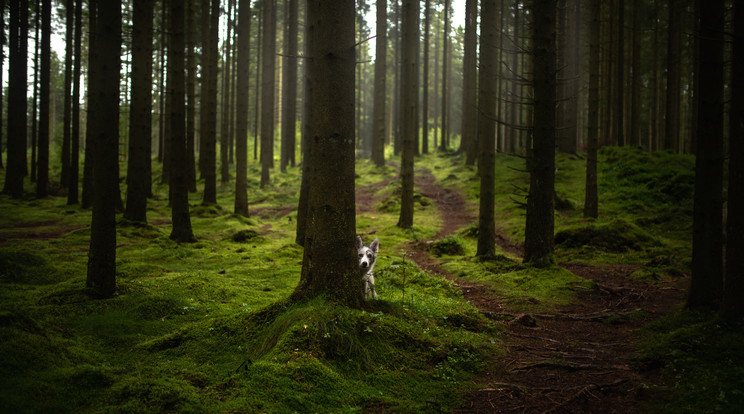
(360, 243)
(375, 246)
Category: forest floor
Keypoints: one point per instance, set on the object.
(580, 358)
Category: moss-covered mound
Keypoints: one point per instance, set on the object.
(616, 236)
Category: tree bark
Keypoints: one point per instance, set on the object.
(140, 125)
(469, 141)
(378, 111)
(445, 79)
(42, 183)
(16, 143)
(105, 135)
(706, 282)
(538, 243)
(226, 78)
(330, 264)
(179, 187)
(591, 204)
(487, 127)
(67, 113)
(303, 227)
(733, 306)
(408, 108)
(268, 91)
(190, 97)
(674, 50)
(3, 41)
(210, 38)
(289, 90)
(241, 127)
(72, 188)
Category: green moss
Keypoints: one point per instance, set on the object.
(449, 245)
(616, 236)
(702, 367)
(17, 266)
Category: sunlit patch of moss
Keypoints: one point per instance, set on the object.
(524, 288)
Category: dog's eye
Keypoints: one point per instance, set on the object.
(361, 255)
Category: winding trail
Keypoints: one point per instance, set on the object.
(580, 358)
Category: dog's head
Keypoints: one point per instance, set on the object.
(367, 254)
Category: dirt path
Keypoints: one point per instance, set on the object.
(579, 359)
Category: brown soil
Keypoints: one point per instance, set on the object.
(579, 359)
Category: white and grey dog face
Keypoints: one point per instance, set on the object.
(367, 254)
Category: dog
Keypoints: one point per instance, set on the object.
(367, 259)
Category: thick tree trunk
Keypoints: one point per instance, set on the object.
(733, 306)
(330, 264)
(104, 96)
(538, 243)
(706, 282)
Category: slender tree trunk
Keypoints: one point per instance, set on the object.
(209, 102)
(241, 127)
(87, 197)
(378, 111)
(190, 96)
(289, 90)
(105, 134)
(538, 242)
(35, 99)
(591, 199)
(307, 125)
(18, 48)
(268, 91)
(225, 125)
(67, 115)
(42, 185)
(329, 264)
(620, 75)
(3, 41)
(179, 188)
(674, 50)
(733, 306)
(469, 140)
(72, 188)
(487, 127)
(445, 79)
(408, 108)
(635, 87)
(140, 115)
(706, 282)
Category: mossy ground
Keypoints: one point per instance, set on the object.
(206, 326)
